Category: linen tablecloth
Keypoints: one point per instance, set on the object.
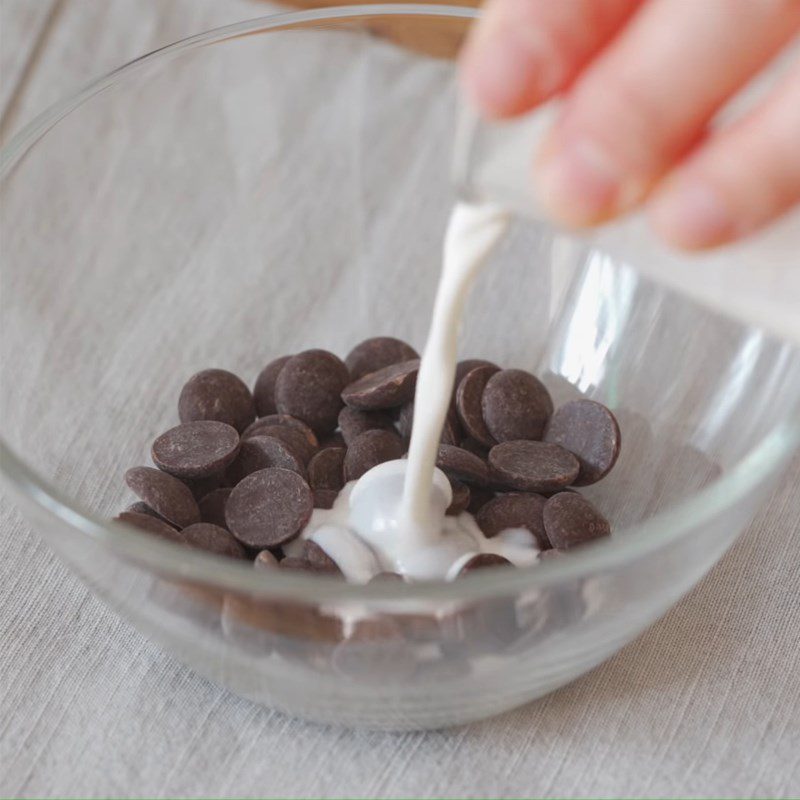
(707, 702)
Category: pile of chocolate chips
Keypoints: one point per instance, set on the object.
(242, 473)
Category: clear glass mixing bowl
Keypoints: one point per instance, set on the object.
(283, 184)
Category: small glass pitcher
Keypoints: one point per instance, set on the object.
(756, 281)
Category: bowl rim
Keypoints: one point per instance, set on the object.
(163, 557)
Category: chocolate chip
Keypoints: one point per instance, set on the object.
(478, 497)
(309, 387)
(165, 494)
(200, 487)
(214, 539)
(514, 511)
(265, 560)
(140, 507)
(369, 450)
(469, 395)
(325, 471)
(262, 452)
(591, 433)
(325, 498)
(460, 499)
(292, 438)
(467, 365)
(462, 464)
(293, 629)
(196, 449)
(533, 466)
(304, 565)
(212, 507)
(571, 520)
(334, 440)
(269, 507)
(150, 524)
(319, 559)
(481, 560)
(451, 430)
(474, 447)
(285, 421)
(219, 395)
(254, 428)
(546, 495)
(388, 387)
(377, 353)
(264, 390)
(354, 422)
(515, 405)
(294, 433)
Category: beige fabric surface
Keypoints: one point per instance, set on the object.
(707, 702)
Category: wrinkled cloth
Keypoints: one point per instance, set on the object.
(705, 703)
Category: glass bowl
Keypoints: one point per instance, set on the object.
(283, 184)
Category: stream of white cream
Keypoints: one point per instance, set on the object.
(472, 234)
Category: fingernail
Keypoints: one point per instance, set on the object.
(581, 184)
(505, 72)
(692, 214)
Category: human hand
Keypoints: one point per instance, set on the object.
(641, 80)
